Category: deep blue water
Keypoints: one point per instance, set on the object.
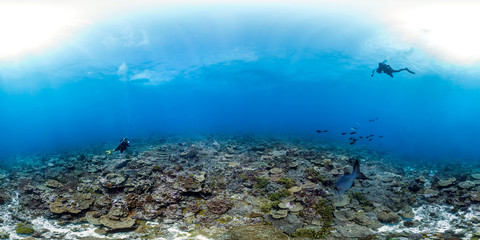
(232, 72)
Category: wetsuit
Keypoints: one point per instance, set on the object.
(382, 67)
(123, 145)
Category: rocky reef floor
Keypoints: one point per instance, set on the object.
(224, 187)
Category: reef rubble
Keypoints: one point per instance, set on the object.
(234, 188)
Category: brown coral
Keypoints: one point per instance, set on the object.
(219, 205)
(193, 207)
(75, 204)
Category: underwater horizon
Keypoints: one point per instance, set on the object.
(239, 69)
(243, 120)
(233, 68)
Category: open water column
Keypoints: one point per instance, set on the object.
(239, 119)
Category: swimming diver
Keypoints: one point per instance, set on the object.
(124, 143)
(383, 67)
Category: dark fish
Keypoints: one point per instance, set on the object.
(351, 143)
(325, 131)
(360, 137)
(380, 136)
(319, 131)
(373, 120)
(350, 138)
(353, 133)
(355, 139)
(344, 133)
(370, 139)
(347, 180)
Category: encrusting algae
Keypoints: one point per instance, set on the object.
(227, 185)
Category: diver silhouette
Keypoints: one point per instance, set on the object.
(124, 143)
(383, 67)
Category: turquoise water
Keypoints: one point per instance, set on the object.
(228, 69)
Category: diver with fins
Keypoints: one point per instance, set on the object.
(384, 67)
(124, 143)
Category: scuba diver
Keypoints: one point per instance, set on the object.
(124, 143)
(383, 67)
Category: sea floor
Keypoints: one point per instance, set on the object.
(246, 187)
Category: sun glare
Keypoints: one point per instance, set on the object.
(449, 31)
(31, 28)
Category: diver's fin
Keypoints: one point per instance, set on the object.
(409, 71)
(109, 151)
(356, 171)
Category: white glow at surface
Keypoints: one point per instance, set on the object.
(449, 31)
(446, 30)
(30, 28)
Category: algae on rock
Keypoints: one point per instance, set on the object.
(257, 232)
(122, 223)
(24, 229)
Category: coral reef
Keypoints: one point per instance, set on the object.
(257, 232)
(219, 205)
(236, 188)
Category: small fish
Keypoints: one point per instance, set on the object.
(351, 138)
(325, 131)
(360, 137)
(380, 136)
(347, 180)
(344, 133)
(373, 120)
(355, 139)
(351, 143)
(370, 139)
(319, 131)
(353, 133)
(353, 128)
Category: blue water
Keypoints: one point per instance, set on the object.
(230, 70)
